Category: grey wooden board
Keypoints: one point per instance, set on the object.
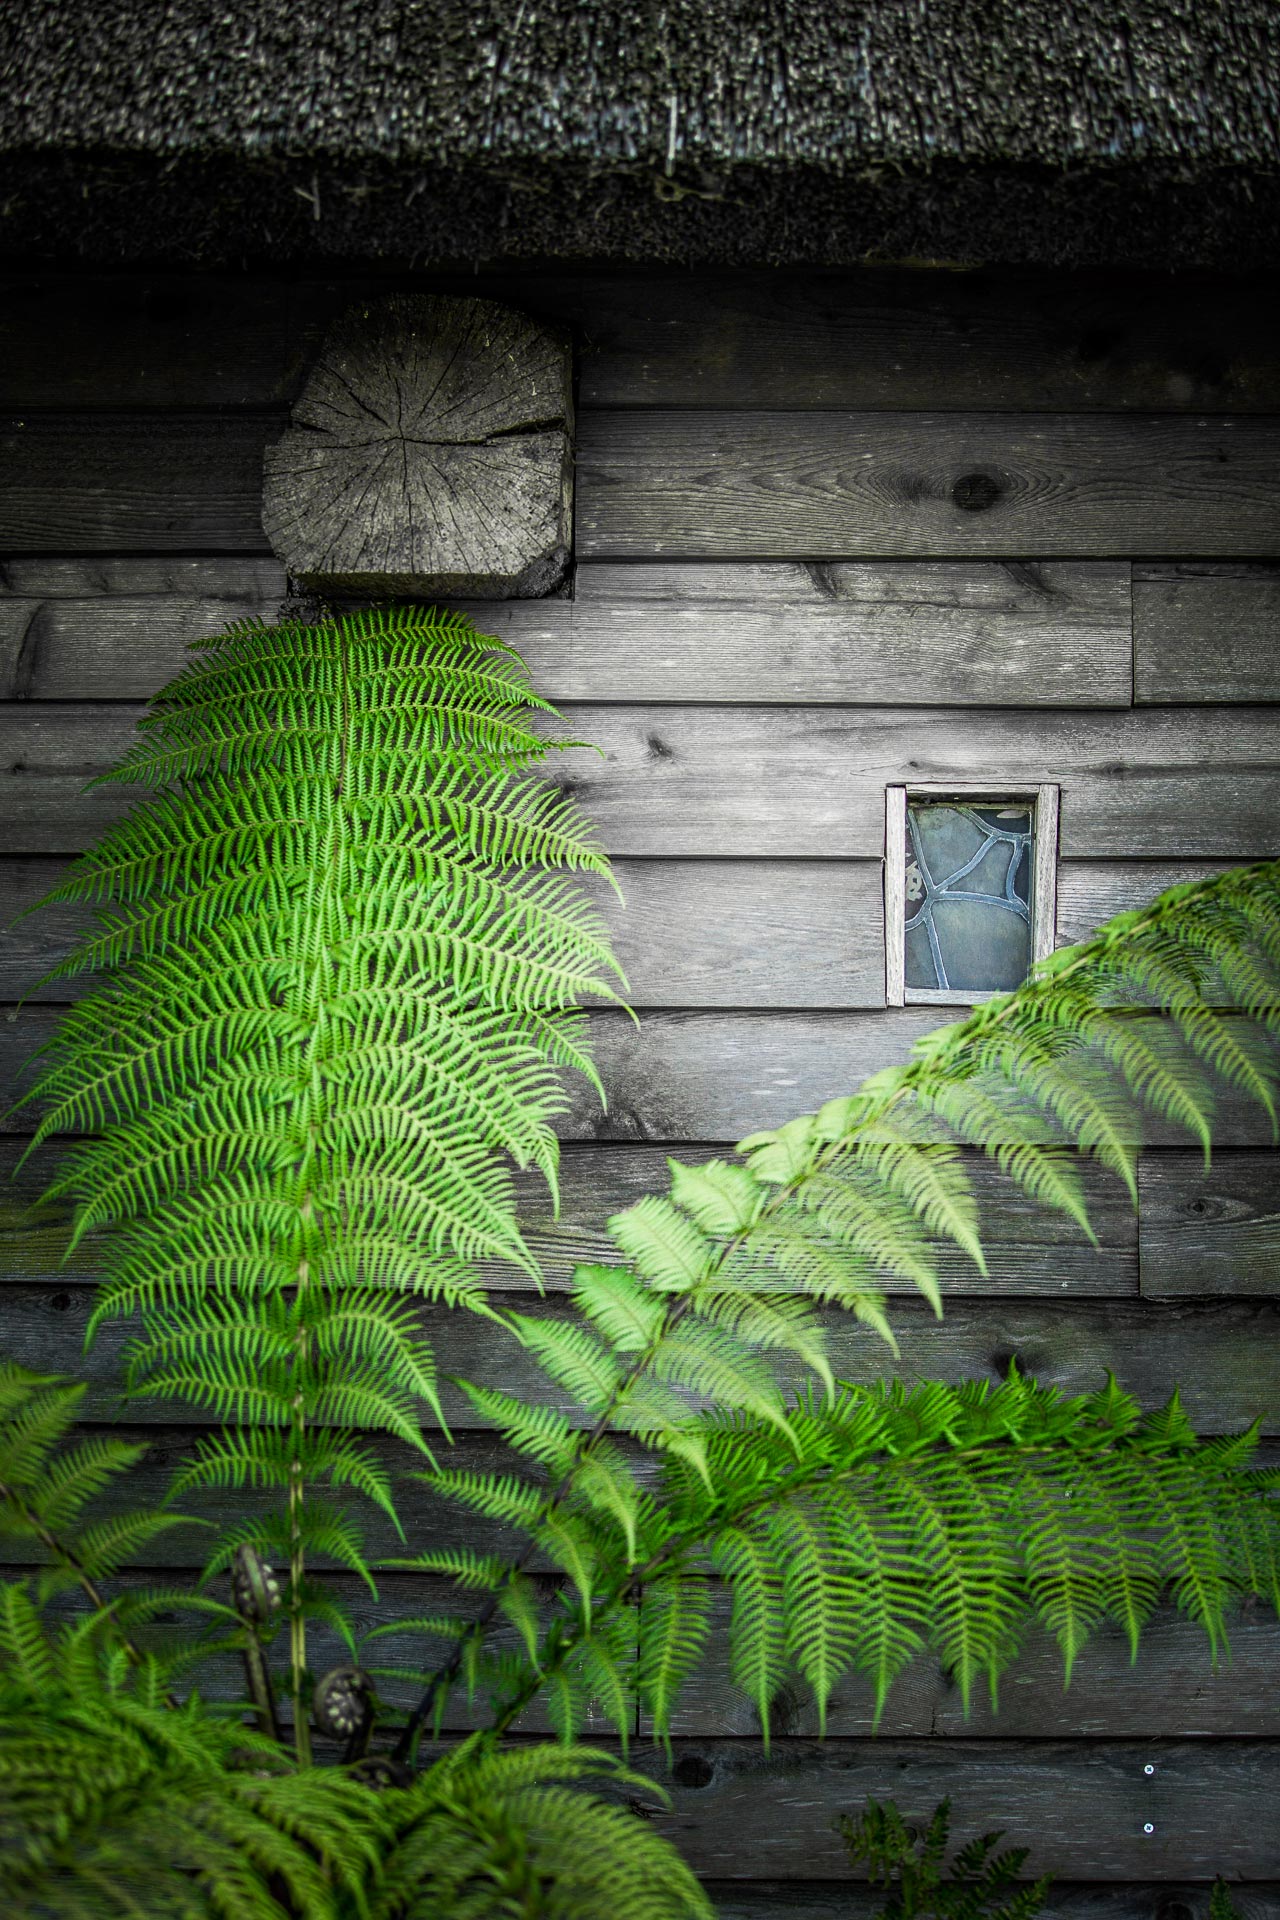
(968, 632)
(882, 337)
(1092, 891)
(1176, 783)
(159, 483)
(897, 631)
(111, 629)
(913, 633)
(1172, 1688)
(1223, 1355)
(1210, 1229)
(690, 933)
(138, 340)
(710, 933)
(1140, 1900)
(700, 1076)
(1081, 1807)
(1203, 632)
(705, 484)
(1028, 1250)
(867, 337)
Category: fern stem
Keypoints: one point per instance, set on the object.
(66, 1557)
(327, 903)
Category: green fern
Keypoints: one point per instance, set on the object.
(869, 1527)
(47, 1481)
(344, 954)
(910, 1862)
(736, 1264)
(492, 1833)
(112, 1804)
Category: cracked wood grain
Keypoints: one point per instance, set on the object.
(428, 452)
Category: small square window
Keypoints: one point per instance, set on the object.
(969, 890)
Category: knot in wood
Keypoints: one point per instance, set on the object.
(428, 453)
(973, 492)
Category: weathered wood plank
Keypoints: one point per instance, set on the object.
(1171, 1689)
(920, 634)
(1204, 632)
(690, 933)
(168, 484)
(49, 755)
(699, 484)
(700, 1076)
(1027, 1251)
(884, 337)
(1081, 1807)
(114, 629)
(959, 632)
(704, 484)
(1209, 1229)
(143, 340)
(1092, 891)
(1178, 782)
(874, 337)
(1166, 1900)
(709, 933)
(1224, 1356)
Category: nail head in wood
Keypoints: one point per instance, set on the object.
(428, 453)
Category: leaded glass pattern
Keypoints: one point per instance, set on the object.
(968, 895)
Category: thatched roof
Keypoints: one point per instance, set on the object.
(1073, 130)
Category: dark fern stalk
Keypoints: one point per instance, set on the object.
(343, 957)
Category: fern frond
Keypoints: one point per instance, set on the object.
(491, 1833)
(343, 949)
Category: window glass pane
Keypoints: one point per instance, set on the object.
(968, 895)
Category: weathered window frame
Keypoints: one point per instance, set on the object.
(1043, 800)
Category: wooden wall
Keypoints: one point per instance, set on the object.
(832, 532)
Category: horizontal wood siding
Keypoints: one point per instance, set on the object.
(835, 532)
(797, 781)
(1205, 632)
(1135, 1900)
(1082, 1807)
(1072, 1346)
(689, 933)
(1110, 1696)
(721, 484)
(707, 1077)
(886, 338)
(702, 484)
